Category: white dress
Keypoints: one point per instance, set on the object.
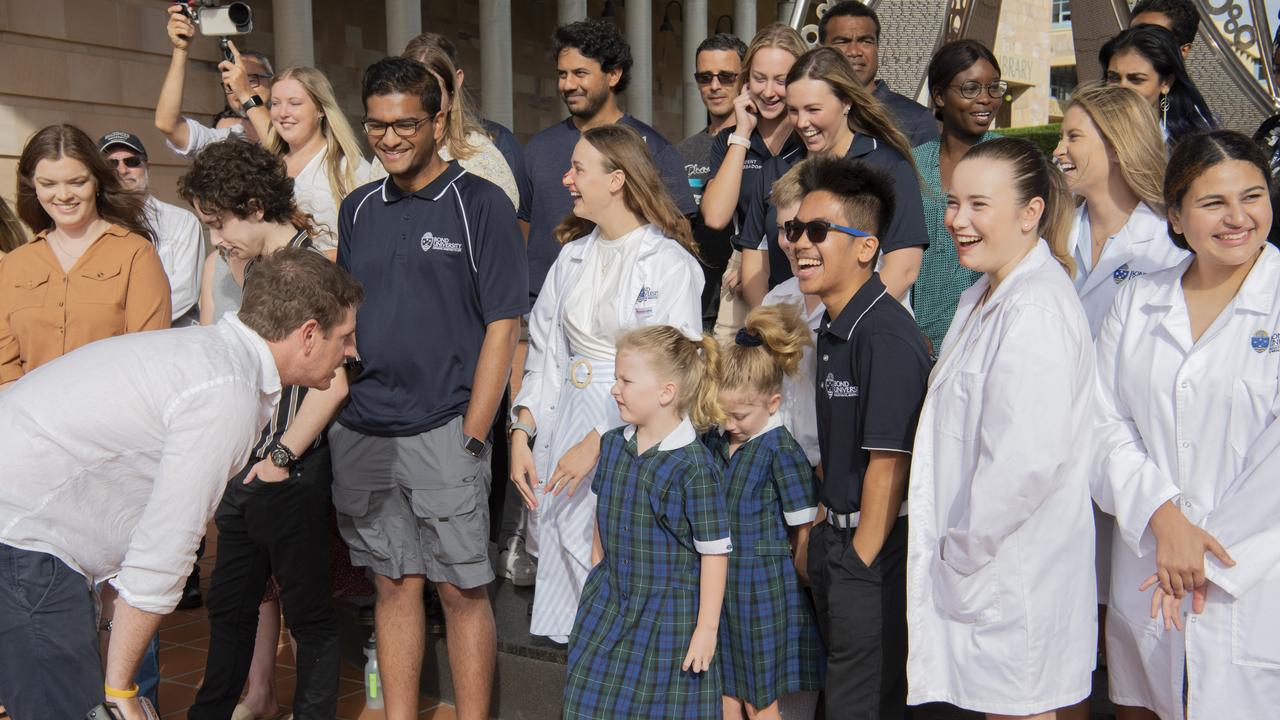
(312, 192)
(1192, 422)
(594, 291)
(1001, 605)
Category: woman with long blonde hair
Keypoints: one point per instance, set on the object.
(319, 147)
(628, 260)
(465, 139)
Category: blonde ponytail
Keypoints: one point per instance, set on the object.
(770, 346)
(694, 365)
(1057, 219)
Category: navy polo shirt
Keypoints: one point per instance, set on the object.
(438, 265)
(546, 160)
(914, 120)
(757, 156)
(872, 372)
(906, 226)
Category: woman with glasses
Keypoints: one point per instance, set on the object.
(835, 116)
(465, 139)
(1146, 58)
(319, 148)
(966, 92)
(1000, 588)
(761, 131)
(628, 260)
(91, 272)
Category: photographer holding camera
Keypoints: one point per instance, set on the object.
(246, 81)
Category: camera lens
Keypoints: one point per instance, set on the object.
(241, 15)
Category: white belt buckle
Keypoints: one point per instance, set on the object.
(573, 373)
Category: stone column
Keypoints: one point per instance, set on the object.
(495, 61)
(571, 11)
(294, 34)
(694, 28)
(744, 19)
(404, 22)
(640, 37)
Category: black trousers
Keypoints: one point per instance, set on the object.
(281, 529)
(862, 617)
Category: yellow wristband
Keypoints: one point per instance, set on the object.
(114, 693)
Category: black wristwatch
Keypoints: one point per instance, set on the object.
(473, 446)
(253, 102)
(281, 456)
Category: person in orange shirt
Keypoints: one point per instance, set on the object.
(91, 271)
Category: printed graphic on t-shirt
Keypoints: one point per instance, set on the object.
(431, 242)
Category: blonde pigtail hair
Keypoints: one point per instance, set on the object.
(694, 365)
(769, 347)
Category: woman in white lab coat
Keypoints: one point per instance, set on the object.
(1188, 365)
(629, 260)
(1000, 585)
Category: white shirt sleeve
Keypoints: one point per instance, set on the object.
(180, 245)
(208, 438)
(199, 136)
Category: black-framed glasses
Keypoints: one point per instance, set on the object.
(133, 161)
(404, 128)
(971, 89)
(254, 79)
(724, 76)
(817, 230)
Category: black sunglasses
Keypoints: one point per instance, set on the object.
(725, 77)
(133, 161)
(816, 230)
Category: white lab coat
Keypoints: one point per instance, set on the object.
(1141, 247)
(1001, 606)
(1191, 422)
(671, 281)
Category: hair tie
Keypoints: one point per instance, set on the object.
(746, 338)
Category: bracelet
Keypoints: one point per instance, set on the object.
(123, 694)
(739, 140)
(521, 426)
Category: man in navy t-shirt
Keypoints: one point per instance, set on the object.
(593, 63)
(444, 263)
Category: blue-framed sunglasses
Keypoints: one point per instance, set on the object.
(817, 230)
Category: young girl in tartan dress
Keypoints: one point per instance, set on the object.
(769, 639)
(644, 640)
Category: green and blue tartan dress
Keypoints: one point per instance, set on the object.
(657, 512)
(769, 642)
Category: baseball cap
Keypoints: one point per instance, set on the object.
(120, 137)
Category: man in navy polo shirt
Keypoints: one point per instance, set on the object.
(443, 260)
(593, 63)
(871, 375)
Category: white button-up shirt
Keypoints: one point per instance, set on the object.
(179, 242)
(1179, 420)
(113, 457)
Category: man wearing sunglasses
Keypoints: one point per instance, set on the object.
(872, 370)
(719, 60)
(178, 236)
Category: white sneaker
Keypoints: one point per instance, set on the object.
(516, 564)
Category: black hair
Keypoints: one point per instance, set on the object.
(865, 192)
(226, 113)
(723, 41)
(1188, 112)
(392, 75)
(260, 57)
(847, 8)
(1199, 152)
(952, 59)
(598, 40)
(1181, 13)
(239, 176)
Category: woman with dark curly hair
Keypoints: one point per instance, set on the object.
(243, 192)
(91, 271)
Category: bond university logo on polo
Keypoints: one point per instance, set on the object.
(1260, 342)
(430, 242)
(839, 388)
(646, 301)
(1123, 273)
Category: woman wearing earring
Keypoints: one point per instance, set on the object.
(629, 260)
(1189, 379)
(1146, 58)
(319, 148)
(91, 271)
(966, 91)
